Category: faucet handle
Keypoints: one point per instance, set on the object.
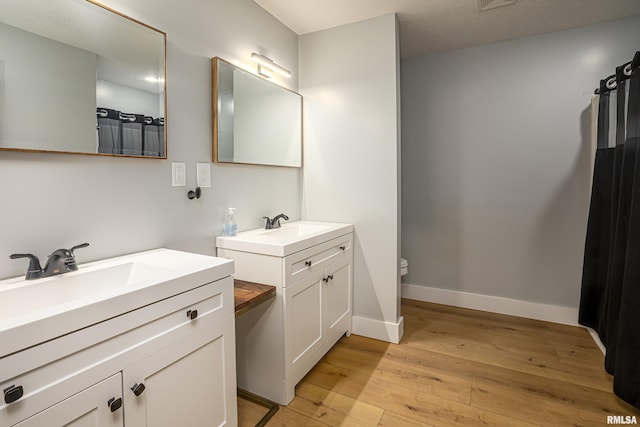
(34, 271)
(70, 262)
(269, 224)
(82, 245)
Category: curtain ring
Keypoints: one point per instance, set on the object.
(627, 69)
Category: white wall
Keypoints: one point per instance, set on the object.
(34, 113)
(496, 162)
(128, 99)
(126, 205)
(348, 78)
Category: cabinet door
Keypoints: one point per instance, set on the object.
(190, 383)
(303, 321)
(338, 300)
(89, 408)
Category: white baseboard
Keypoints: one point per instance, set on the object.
(377, 329)
(596, 339)
(512, 307)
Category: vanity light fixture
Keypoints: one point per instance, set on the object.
(265, 65)
(152, 79)
(265, 71)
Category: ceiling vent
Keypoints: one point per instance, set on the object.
(484, 5)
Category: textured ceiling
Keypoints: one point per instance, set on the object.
(428, 26)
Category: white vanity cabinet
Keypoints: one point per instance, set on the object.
(279, 342)
(169, 362)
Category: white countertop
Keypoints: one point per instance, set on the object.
(291, 237)
(33, 311)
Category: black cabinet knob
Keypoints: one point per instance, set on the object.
(12, 393)
(192, 314)
(307, 263)
(330, 277)
(325, 279)
(114, 404)
(137, 389)
(342, 248)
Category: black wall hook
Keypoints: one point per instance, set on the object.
(194, 194)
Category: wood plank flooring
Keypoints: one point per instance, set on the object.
(457, 367)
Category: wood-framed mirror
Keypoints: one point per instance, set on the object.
(255, 121)
(78, 77)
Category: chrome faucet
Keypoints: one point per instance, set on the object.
(59, 262)
(275, 222)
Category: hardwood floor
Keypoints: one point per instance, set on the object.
(458, 367)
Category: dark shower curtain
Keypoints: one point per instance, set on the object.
(129, 134)
(610, 299)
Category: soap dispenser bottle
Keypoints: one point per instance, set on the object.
(230, 226)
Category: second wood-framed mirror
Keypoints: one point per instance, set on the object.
(255, 121)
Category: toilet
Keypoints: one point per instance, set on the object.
(404, 267)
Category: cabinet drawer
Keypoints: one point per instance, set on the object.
(305, 263)
(56, 369)
(89, 407)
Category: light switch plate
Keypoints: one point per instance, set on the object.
(178, 174)
(204, 174)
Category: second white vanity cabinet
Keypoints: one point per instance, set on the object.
(279, 342)
(167, 362)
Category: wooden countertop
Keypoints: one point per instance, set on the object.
(247, 295)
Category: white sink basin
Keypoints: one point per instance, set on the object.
(291, 237)
(293, 231)
(67, 288)
(35, 310)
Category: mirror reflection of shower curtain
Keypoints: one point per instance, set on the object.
(132, 134)
(153, 137)
(610, 298)
(160, 123)
(109, 131)
(129, 134)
